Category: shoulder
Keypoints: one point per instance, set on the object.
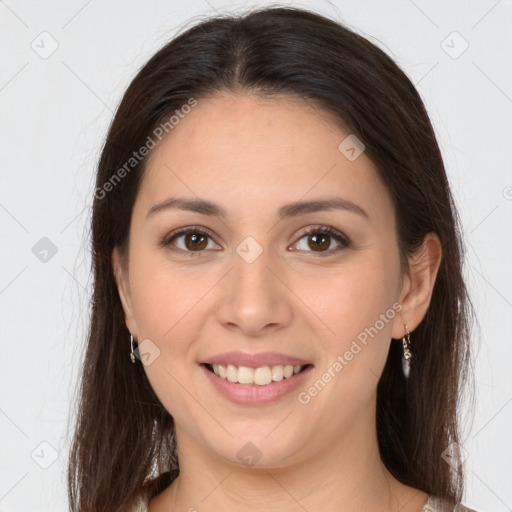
(437, 504)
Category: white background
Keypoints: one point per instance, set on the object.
(55, 112)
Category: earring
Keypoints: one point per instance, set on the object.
(406, 358)
(132, 353)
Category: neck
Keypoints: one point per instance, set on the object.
(346, 475)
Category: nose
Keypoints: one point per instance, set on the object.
(253, 300)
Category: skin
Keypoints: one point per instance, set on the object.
(251, 156)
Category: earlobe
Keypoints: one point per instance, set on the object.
(419, 284)
(123, 287)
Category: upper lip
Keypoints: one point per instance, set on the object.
(255, 360)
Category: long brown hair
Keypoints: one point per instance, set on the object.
(124, 437)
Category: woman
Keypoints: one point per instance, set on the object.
(271, 212)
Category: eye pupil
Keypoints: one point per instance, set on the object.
(320, 241)
(195, 241)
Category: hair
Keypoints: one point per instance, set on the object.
(124, 445)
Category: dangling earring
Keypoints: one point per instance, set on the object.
(132, 353)
(406, 358)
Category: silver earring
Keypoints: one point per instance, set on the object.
(132, 353)
(406, 358)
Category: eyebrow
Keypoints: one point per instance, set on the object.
(204, 207)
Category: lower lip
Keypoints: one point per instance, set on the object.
(254, 394)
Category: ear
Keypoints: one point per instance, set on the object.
(418, 285)
(123, 287)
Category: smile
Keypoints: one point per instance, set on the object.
(256, 386)
(261, 376)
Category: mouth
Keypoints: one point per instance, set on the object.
(260, 376)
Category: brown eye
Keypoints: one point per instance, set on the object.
(196, 241)
(189, 240)
(319, 242)
(320, 239)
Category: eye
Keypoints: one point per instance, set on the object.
(194, 239)
(320, 238)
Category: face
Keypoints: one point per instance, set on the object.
(261, 283)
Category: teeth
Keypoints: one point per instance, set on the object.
(245, 375)
(277, 372)
(232, 373)
(261, 376)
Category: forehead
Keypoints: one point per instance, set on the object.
(233, 126)
(234, 147)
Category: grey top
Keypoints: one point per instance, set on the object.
(433, 504)
(437, 504)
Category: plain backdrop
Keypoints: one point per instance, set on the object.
(64, 67)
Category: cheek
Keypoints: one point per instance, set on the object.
(167, 305)
(165, 296)
(356, 303)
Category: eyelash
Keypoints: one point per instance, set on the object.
(324, 230)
